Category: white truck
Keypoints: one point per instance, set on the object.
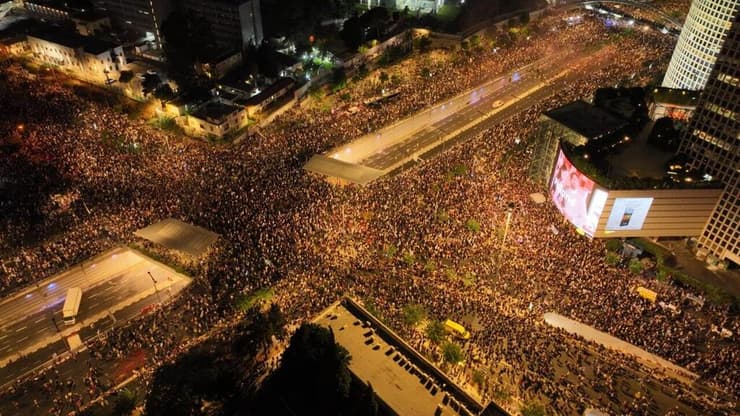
(71, 305)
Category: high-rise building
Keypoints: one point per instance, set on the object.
(233, 22)
(141, 18)
(705, 28)
(713, 143)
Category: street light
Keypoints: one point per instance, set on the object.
(509, 211)
(154, 283)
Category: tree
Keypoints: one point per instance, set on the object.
(188, 39)
(533, 409)
(338, 79)
(413, 314)
(473, 225)
(179, 388)
(352, 33)
(126, 76)
(276, 320)
(666, 134)
(315, 369)
(376, 19)
(368, 402)
(260, 327)
(635, 266)
(423, 43)
(452, 353)
(383, 77)
(614, 244)
(612, 258)
(435, 331)
(151, 83)
(125, 403)
(163, 92)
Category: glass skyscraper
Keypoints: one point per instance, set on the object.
(705, 28)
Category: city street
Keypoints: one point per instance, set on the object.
(116, 286)
(409, 140)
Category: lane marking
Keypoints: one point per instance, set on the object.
(21, 339)
(20, 329)
(39, 320)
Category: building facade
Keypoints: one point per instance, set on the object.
(87, 58)
(713, 143)
(141, 18)
(233, 22)
(699, 44)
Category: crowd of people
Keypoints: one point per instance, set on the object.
(85, 176)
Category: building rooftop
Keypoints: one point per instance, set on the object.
(402, 378)
(586, 119)
(214, 111)
(639, 159)
(269, 91)
(674, 96)
(71, 6)
(216, 55)
(74, 40)
(342, 171)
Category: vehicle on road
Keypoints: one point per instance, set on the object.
(456, 329)
(71, 305)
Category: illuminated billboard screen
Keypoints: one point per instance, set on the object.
(577, 197)
(628, 214)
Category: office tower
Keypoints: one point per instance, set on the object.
(699, 43)
(142, 18)
(713, 143)
(235, 23)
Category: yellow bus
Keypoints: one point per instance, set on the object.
(456, 329)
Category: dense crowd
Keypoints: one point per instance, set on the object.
(91, 176)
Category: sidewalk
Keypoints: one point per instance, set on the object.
(592, 334)
(729, 280)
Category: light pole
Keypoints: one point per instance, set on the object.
(154, 283)
(509, 211)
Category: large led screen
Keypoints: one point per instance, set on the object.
(628, 214)
(576, 196)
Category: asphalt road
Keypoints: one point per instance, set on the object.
(537, 81)
(116, 286)
(513, 96)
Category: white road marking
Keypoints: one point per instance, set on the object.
(18, 341)
(39, 320)
(20, 329)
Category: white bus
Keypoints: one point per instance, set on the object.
(71, 305)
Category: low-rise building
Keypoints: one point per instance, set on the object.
(14, 44)
(671, 102)
(257, 103)
(91, 59)
(219, 63)
(87, 22)
(215, 118)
